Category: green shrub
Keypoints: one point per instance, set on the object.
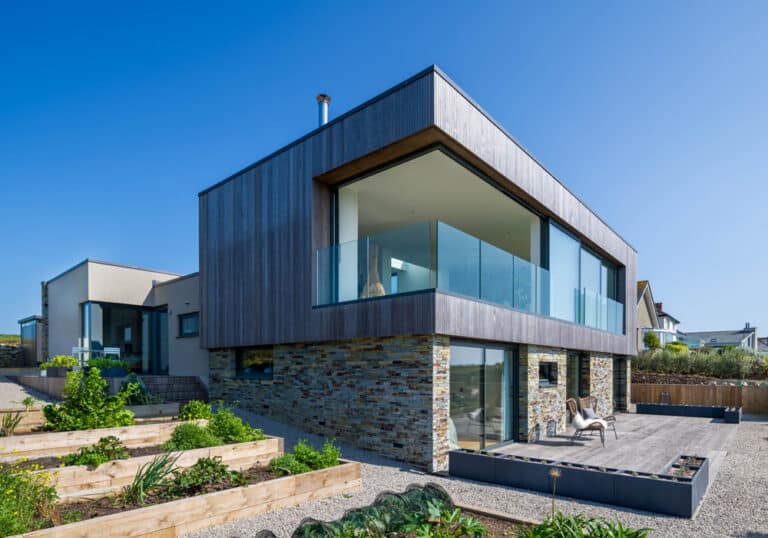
(64, 361)
(651, 340)
(435, 521)
(87, 405)
(191, 436)
(195, 410)
(205, 472)
(230, 428)
(579, 526)
(140, 394)
(26, 500)
(104, 363)
(727, 363)
(305, 458)
(107, 449)
(676, 347)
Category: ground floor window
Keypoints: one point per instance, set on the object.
(482, 396)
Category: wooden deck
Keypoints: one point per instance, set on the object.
(646, 443)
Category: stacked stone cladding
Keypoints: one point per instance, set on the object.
(387, 395)
(11, 356)
(541, 406)
(601, 382)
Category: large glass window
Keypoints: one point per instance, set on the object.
(481, 396)
(564, 258)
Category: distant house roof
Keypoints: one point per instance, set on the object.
(721, 338)
(644, 294)
(660, 312)
(642, 285)
(762, 345)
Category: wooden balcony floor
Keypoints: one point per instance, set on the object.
(646, 443)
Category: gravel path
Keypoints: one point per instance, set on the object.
(12, 393)
(736, 505)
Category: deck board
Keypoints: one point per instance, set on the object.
(646, 443)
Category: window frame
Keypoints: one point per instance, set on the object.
(182, 317)
(546, 382)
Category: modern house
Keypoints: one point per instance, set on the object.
(148, 318)
(408, 278)
(647, 318)
(745, 338)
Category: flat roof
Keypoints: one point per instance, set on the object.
(431, 69)
(30, 318)
(124, 266)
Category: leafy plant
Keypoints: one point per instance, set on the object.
(26, 499)
(230, 428)
(579, 526)
(87, 405)
(64, 361)
(191, 436)
(651, 340)
(195, 410)
(205, 472)
(12, 419)
(141, 394)
(437, 522)
(106, 449)
(727, 363)
(105, 363)
(149, 476)
(676, 347)
(305, 458)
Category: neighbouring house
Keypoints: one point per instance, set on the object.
(668, 330)
(408, 278)
(647, 319)
(762, 345)
(745, 338)
(149, 318)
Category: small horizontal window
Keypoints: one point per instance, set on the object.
(547, 374)
(189, 324)
(255, 363)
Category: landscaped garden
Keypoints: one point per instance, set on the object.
(94, 472)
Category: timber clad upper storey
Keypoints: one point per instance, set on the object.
(265, 234)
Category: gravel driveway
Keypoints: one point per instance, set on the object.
(736, 505)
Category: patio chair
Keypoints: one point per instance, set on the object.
(590, 402)
(585, 425)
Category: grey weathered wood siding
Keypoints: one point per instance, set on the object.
(260, 228)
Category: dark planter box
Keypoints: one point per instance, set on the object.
(664, 494)
(114, 372)
(703, 411)
(732, 415)
(57, 371)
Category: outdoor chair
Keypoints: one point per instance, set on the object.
(585, 425)
(590, 402)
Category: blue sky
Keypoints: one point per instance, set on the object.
(114, 116)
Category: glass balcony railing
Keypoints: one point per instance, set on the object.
(434, 255)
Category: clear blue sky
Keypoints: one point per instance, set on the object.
(113, 117)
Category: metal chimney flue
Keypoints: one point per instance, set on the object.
(322, 109)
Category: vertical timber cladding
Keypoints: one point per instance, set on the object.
(387, 395)
(540, 407)
(601, 382)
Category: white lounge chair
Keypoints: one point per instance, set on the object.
(582, 425)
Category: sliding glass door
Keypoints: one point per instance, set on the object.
(483, 396)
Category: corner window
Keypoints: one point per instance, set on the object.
(189, 324)
(547, 374)
(255, 363)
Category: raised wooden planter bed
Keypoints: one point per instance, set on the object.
(80, 480)
(33, 419)
(59, 443)
(194, 513)
(665, 493)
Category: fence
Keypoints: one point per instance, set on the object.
(752, 398)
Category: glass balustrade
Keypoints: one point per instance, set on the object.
(435, 255)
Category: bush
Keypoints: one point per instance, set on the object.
(727, 363)
(107, 449)
(230, 428)
(651, 340)
(140, 394)
(64, 361)
(87, 405)
(105, 363)
(26, 500)
(676, 347)
(191, 436)
(195, 410)
(579, 526)
(305, 458)
(205, 472)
